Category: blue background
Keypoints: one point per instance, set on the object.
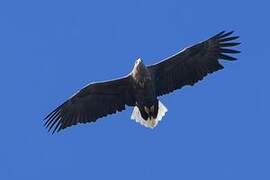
(218, 129)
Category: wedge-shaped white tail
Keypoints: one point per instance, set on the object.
(149, 123)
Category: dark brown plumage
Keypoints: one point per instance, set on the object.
(192, 64)
(144, 84)
(90, 103)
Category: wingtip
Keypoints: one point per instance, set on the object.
(218, 34)
(231, 38)
(226, 34)
(232, 51)
(227, 57)
(223, 34)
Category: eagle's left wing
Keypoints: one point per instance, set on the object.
(192, 64)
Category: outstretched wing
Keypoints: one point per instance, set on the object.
(192, 64)
(92, 102)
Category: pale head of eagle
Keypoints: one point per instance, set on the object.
(140, 72)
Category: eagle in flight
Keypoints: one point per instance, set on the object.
(143, 85)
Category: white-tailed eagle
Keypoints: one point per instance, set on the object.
(143, 85)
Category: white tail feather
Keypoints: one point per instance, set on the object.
(149, 123)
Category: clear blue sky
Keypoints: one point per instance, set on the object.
(218, 129)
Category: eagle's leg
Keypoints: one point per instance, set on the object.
(143, 112)
(150, 109)
(150, 115)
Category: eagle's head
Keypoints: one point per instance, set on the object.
(139, 62)
(140, 72)
(139, 66)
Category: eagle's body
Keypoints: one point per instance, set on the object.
(142, 87)
(147, 104)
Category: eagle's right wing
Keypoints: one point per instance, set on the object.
(92, 102)
(192, 64)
